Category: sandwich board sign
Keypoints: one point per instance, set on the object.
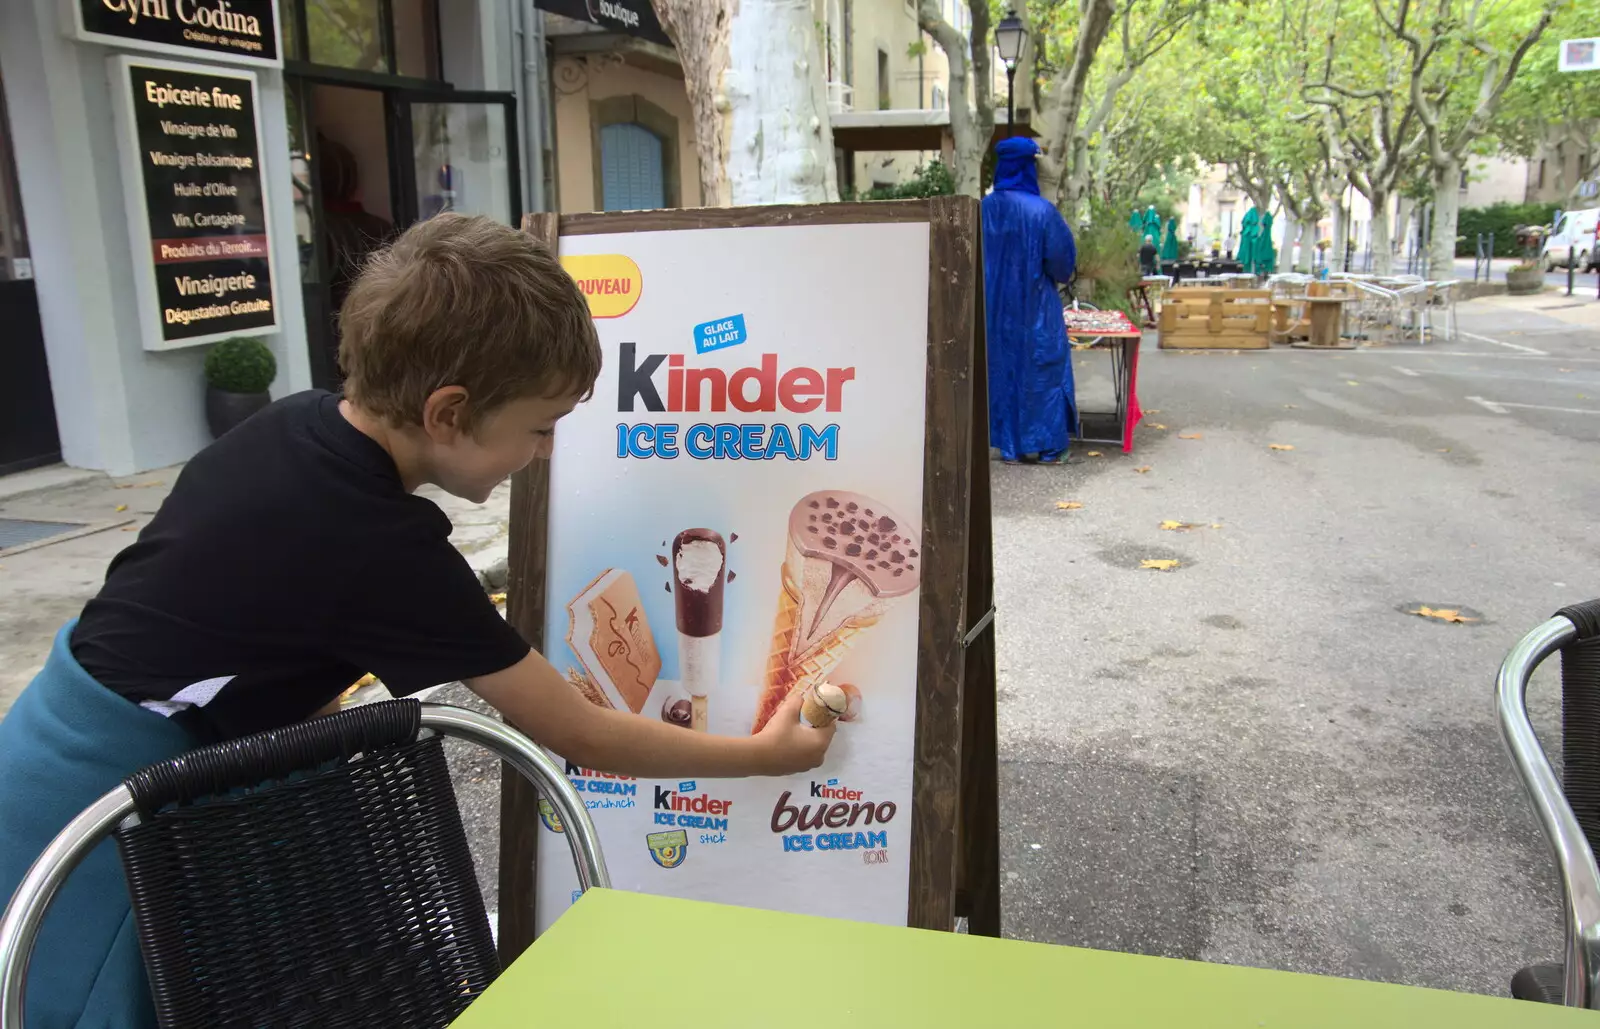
(773, 486)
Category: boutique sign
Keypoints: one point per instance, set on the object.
(237, 31)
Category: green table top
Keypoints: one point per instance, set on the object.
(623, 959)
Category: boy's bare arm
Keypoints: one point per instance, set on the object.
(534, 697)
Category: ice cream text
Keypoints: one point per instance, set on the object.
(673, 807)
(847, 811)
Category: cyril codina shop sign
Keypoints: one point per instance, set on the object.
(236, 31)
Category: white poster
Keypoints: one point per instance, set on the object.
(736, 513)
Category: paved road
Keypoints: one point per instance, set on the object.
(1257, 757)
(1583, 283)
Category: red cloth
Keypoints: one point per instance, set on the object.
(1134, 411)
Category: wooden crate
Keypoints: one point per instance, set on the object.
(1216, 319)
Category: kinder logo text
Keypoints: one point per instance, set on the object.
(611, 283)
(688, 810)
(837, 807)
(762, 388)
(602, 789)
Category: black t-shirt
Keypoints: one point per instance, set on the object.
(288, 562)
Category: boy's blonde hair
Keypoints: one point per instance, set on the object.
(459, 301)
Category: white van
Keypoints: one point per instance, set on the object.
(1574, 234)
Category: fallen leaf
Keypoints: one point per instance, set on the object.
(1563, 369)
(1216, 525)
(1068, 505)
(130, 528)
(1172, 526)
(1351, 382)
(1191, 435)
(1158, 425)
(1281, 446)
(1142, 469)
(122, 507)
(1165, 564)
(1444, 614)
(1153, 410)
(1095, 453)
(497, 598)
(138, 485)
(1444, 450)
(1292, 407)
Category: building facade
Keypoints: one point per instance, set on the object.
(356, 118)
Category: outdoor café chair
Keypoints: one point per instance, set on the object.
(1445, 295)
(1568, 809)
(312, 875)
(1414, 301)
(1374, 314)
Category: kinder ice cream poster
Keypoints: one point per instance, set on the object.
(736, 514)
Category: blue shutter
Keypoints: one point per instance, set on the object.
(631, 171)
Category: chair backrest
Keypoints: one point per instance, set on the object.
(1569, 811)
(314, 875)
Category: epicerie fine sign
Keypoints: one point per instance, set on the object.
(240, 31)
(197, 211)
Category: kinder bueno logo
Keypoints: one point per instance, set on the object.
(838, 807)
(611, 283)
(758, 388)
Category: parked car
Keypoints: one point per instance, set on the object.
(1574, 234)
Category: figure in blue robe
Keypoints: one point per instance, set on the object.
(1027, 251)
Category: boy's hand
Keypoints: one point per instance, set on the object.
(792, 746)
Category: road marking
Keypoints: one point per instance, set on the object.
(1430, 352)
(1500, 407)
(1403, 370)
(1503, 343)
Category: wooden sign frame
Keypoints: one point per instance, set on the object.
(955, 853)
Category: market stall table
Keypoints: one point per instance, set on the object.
(623, 959)
(1111, 331)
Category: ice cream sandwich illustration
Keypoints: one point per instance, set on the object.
(699, 575)
(609, 632)
(848, 559)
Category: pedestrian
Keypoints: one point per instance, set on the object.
(1028, 251)
(292, 557)
(1147, 256)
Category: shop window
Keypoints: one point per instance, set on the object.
(347, 34)
(416, 38)
(635, 152)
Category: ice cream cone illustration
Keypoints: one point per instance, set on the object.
(848, 558)
(699, 573)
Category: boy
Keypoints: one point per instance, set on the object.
(292, 557)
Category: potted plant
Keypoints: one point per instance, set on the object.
(238, 372)
(1526, 276)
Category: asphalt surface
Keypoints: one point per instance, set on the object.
(1257, 757)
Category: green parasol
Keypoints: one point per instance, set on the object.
(1169, 246)
(1266, 254)
(1248, 230)
(1136, 221)
(1152, 224)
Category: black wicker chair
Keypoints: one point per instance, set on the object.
(1568, 810)
(316, 875)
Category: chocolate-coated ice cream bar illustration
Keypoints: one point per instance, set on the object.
(848, 558)
(699, 577)
(609, 632)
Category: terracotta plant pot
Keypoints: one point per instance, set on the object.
(226, 410)
(1522, 281)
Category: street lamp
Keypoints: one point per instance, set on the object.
(1008, 36)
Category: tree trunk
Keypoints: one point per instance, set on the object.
(1382, 239)
(1446, 209)
(1308, 244)
(699, 31)
(967, 143)
(1058, 122)
(1341, 234)
(780, 145)
(1286, 251)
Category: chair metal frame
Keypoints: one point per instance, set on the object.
(25, 913)
(1580, 878)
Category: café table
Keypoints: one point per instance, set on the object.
(1327, 318)
(625, 959)
(1111, 331)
